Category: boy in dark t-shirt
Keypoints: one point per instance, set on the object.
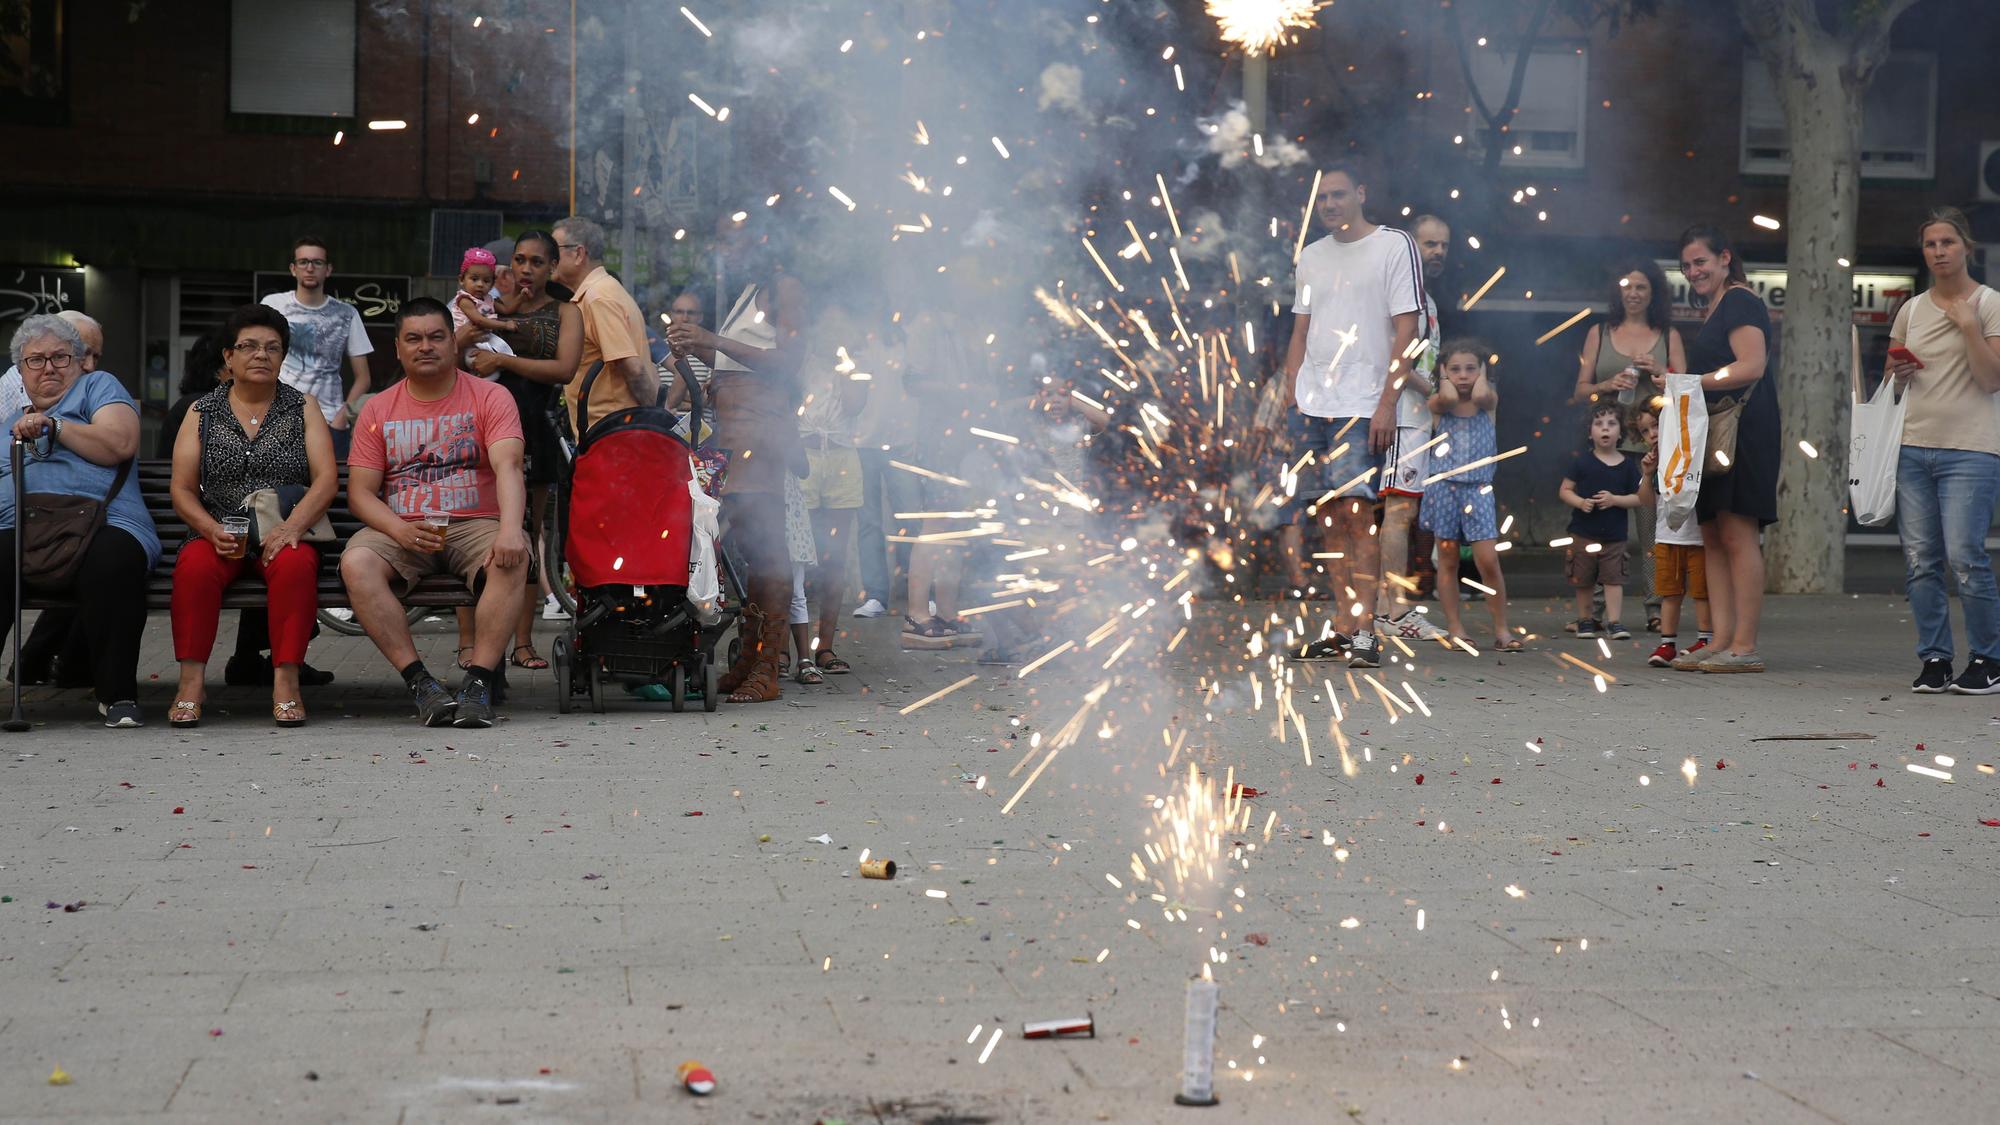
(1601, 485)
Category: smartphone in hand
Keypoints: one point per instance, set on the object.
(1904, 355)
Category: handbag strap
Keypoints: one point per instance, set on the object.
(118, 482)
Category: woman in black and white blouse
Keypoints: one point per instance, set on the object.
(249, 434)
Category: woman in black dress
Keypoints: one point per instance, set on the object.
(1731, 353)
(547, 348)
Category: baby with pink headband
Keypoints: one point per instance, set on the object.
(478, 271)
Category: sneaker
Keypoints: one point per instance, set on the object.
(1726, 661)
(1981, 677)
(1585, 629)
(474, 705)
(1663, 657)
(124, 713)
(1332, 648)
(1364, 652)
(1414, 625)
(873, 607)
(1935, 678)
(339, 613)
(434, 703)
(1691, 657)
(1000, 657)
(1617, 632)
(552, 610)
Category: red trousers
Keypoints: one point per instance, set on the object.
(200, 577)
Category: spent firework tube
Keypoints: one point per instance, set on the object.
(1084, 1026)
(697, 1078)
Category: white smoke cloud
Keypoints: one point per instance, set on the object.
(1228, 136)
(1062, 88)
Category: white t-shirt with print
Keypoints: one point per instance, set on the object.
(1352, 289)
(321, 335)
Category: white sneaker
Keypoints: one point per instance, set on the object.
(1412, 626)
(873, 607)
(552, 609)
(340, 613)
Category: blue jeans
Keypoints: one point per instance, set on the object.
(1944, 504)
(1349, 471)
(905, 494)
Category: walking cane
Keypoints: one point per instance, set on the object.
(17, 722)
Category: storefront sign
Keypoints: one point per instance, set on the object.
(378, 296)
(26, 291)
(1877, 293)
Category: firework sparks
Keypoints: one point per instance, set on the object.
(1258, 26)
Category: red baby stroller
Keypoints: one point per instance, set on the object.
(625, 517)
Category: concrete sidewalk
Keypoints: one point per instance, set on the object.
(364, 920)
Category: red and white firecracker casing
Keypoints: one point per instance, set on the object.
(697, 1078)
(1051, 1029)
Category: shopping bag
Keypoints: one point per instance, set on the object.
(1874, 443)
(1683, 445)
(704, 592)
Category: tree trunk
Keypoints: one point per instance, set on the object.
(1806, 553)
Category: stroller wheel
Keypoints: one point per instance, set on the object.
(710, 694)
(565, 666)
(679, 688)
(596, 675)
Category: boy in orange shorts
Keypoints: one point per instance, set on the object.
(1677, 566)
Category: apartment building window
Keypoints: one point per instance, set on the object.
(292, 57)
(1898, 122)
(1548, 130)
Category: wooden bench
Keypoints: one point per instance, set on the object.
(439, 591)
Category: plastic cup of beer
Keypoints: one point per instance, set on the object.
(238, 530)
(437, 521)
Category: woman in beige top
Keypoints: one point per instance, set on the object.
(1945, 359)
(1636, 341)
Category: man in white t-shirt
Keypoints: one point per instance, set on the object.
(323, 331)
(1358, 296)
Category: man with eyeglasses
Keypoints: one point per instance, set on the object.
(614, 330)
(685, 308)
(323, 330)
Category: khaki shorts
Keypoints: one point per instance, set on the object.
(466, 545)
(1678, 570)
(1603, 567)
(835, 478)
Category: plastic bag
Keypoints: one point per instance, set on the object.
(1683, 443)
(1874, 444)
(704, 593)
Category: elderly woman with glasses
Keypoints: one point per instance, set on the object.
(81, 432)
(250, 434)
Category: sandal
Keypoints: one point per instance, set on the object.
(289, 713)
(809, 673)
(185, 714)
(535, 661)
(462, 665)
(830, 664)
(1506, 644)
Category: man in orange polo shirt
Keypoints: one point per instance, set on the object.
(614, 330)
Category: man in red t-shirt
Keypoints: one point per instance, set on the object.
(441, 445)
